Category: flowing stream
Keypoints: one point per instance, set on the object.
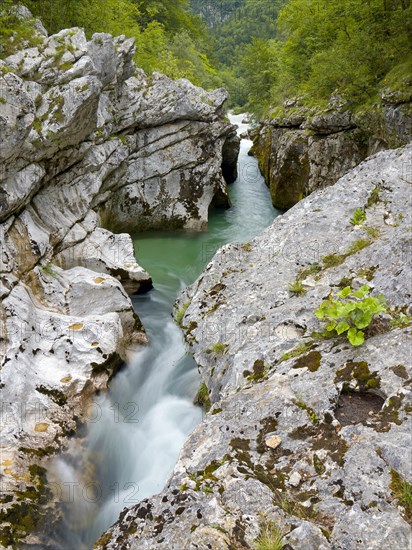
(136, 431)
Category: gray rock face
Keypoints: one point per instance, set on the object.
(89, 144)
(303, 150)
(306, 432)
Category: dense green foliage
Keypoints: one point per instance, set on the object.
(235, 27)
(342, 45)
(169, 38)
(270, 50)
(265, 51)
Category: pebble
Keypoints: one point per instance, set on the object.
(273, 442)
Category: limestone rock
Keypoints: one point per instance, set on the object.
(295, 163)
(294, 479)
(230, 154)
(300, 150)
(329, 484)
(16, 115)
(89, 144)
(273, 442)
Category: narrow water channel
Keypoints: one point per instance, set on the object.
(137, 429)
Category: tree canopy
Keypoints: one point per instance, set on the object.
(269, 50)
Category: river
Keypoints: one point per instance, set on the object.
(136, 431)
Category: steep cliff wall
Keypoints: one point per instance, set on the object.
(300, 149)
(89, 144)
(306, 433)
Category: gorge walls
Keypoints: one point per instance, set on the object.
(307, 435)
(89, 145)
(301, 149)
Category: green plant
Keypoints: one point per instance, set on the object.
(59, 53)
(402, 491)
(372, 232)
(297, 288)
(48, 270)
(38, 101)
(247, 247)
(3, 99)
(313, 417)
(181, 313)
(218, 349)
(352, 313)
(400, 319)
(374, 197)
(312, 269)
(270, 538)
(202, 397)
(359, 216)
(66, 66)
(332, 260)
(357, 246)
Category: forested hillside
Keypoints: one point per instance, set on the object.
(263, 51)
(234, 26)
(270, 50)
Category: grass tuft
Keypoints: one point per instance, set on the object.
(218, 349)
(202, 398)
(297, 288)
(270, 538)
(181, 313)
(402, 491)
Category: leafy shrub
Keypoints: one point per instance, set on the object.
(16, 33)
(352, 313)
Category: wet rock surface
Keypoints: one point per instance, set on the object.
(274, 446)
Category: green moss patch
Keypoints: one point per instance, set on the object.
(311, 361)
(296, 352)
(202, 398)
(360, 372)
(258, 371)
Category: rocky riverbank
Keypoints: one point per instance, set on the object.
(305, 433)
(301, 149)
(90, 145)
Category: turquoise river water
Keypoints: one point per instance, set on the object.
(138, 428)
